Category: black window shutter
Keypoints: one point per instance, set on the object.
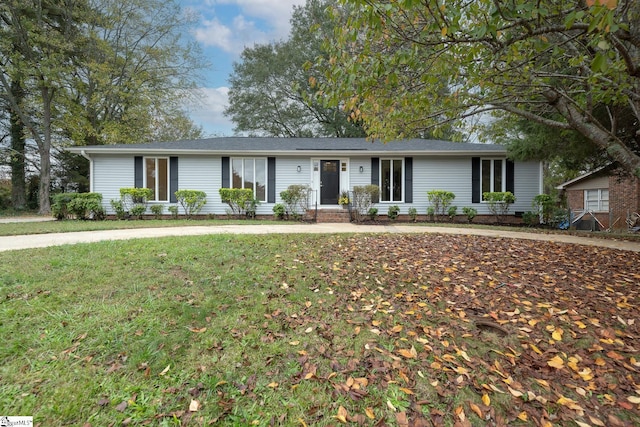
(475, 180)
(375, 170)
(408, 179)
(173, 179)
(511, 176)
(225, 172)
(271, 179)
(138, 177)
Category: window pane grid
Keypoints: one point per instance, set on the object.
(596, 200)
(391, 180)
(157, 178)
(250, 173)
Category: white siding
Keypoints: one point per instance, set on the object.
(528, 182)
(202, 173)
(110, 174)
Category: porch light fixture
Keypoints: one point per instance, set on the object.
(361, 169)
(299, 168)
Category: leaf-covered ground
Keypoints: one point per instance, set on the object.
(406, 330)
(548, 332)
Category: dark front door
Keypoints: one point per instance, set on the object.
(329, 182)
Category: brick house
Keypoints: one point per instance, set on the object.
(610, 196)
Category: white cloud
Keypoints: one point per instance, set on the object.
(231, 38)
(210, 112)
(260, 21)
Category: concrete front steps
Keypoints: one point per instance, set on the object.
(333, 215)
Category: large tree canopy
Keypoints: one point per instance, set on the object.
(270, 82)
(93, 72)
(404, 66)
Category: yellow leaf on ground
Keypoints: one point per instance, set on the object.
(369, 413)
(556, 362)
(194, 406)
(475, 408)
(557, 334)
(634, 399)
(342, 415)
(534, 348)
(273, 385)
(486, 400)
(523, 416)
(165, 370)
(408, 353)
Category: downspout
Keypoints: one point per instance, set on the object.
(84, 154)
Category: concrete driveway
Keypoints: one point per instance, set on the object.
(8, 243)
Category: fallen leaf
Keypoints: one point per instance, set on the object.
(165, 370)
(634, 399)
(342, 415)
(370, 414)
(194, 406)
(475, 408)
(486, 400)
(556, 362)
(273, 385)
(557, 334)
(402, 420)
(408, 353)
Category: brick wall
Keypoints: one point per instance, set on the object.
(624, 197)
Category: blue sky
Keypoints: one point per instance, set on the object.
(224, 29)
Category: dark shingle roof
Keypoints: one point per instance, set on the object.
(261, 145)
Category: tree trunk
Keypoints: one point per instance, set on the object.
(614, 147)
(17, 158)
(44, 149)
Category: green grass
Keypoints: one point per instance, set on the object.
(23, 228)
(262, 330)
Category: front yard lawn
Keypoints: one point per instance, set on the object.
(420, 330)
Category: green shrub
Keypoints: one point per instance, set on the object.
(238, 199)
(79, 205)
(173, 210)
(440, 201)
(59, 205)
(413, 214)
(544, 206)
(372, 213)
(431, 213)
(192, 201)
(5, 195)
(393, 212)
(364, 197)
(452, 212)
(135, 200)
(279, 211)
(156, 210)
(296, 200)
(530, 218)
(470, 213)
(118, 206)
(499, 202)
(138, 210)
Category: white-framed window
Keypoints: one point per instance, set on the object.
(250, 173)
(493, 176)
(156, 177)
(391, 180)
(596, 200)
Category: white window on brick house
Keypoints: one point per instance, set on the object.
(596, 200)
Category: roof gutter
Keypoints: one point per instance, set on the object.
(84, 154)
